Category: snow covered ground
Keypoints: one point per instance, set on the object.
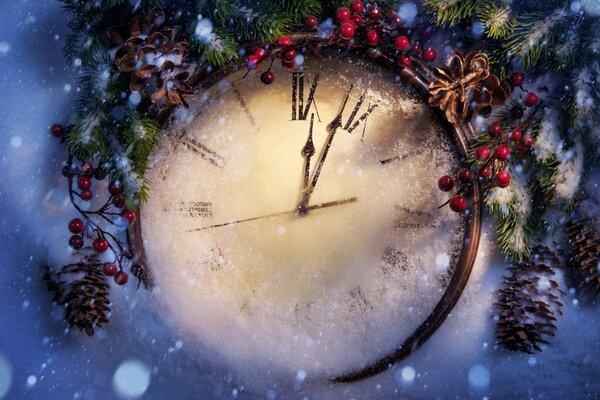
(141, 351)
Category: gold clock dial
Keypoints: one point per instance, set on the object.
(321, 249)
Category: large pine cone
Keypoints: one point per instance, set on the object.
(527, 303)
(154, 59)
(584, 251)
(82, 289)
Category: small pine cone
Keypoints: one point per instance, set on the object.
(82, 289)
(527, 303)
(584, 251)
(154, 59)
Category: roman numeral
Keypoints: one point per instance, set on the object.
(352, 122)
(299, 110)
(198, 148)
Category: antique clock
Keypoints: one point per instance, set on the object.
(296, 224)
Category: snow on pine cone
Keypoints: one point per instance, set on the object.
(527, 304)
(154, 59)
(584, 251)
(82, 290)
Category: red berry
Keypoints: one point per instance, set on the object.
(57, 130)
(495, 129)
(503, 179)
(482, 153)
(502, 153)
(458, 204)
(342, 15)
(521, 148)
(516, 135)
(357, 19)
(87, 169)
(115, 187)
(109, 269)
(517, 112)
(118, 201)
(252, 61)
(129, 215)
(404, 61)
(288, 64)
(284, 41)
(528, 141)
(347, 30)
(396, 21)
(86, 194)
(429, 55)
(311, 23)
(485, 173)
(84, 182)
(267, 77)
(259, 52)
(137, 270)
(100, 245)
(465, 175)
(517, 79)
(416, 49)
(357, 6)
(76, 242)
(426, 32)
(374, 12)
(289, 55)
(76, 225)
(373, 37)
(121, 278)
(401, 43)
(531, 99)
(445, 183)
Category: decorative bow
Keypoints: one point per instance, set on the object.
(467, 87)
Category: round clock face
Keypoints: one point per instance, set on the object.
(297, 224)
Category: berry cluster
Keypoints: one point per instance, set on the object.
(359, 26)
(490, 154)
(89, 226)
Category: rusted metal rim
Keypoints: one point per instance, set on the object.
(418, 77)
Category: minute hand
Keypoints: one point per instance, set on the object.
(303, 208)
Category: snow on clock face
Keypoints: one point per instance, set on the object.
(297, 224)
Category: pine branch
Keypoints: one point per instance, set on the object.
(450, 12)
(497, 20)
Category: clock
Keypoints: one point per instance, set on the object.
(297, 225)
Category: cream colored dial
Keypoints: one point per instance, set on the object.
(337, 285)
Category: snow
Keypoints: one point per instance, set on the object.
(67, 364)
(131, 379)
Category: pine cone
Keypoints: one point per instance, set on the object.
(527, 304)
(584, 251)
(154, 59)
(82, 289)
(467, 87)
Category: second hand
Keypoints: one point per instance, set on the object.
(313, 207)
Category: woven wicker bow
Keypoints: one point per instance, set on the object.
(467, 87)
(154, 59)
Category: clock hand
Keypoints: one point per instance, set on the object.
(303, 208)
(307, 152)
(313, 207)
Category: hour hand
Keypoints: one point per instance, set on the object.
(307, 152)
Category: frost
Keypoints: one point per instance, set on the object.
(548, 141)
(569, 173)
(131, 379)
